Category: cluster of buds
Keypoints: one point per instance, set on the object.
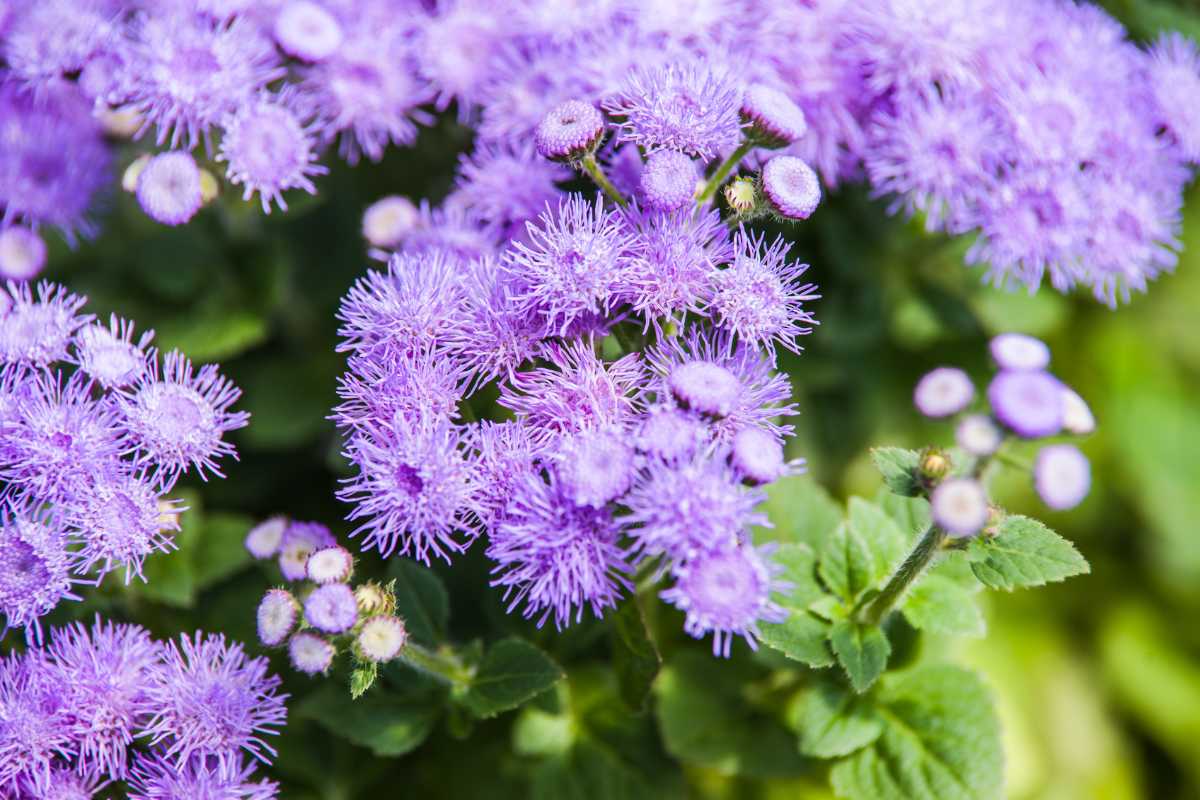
(1023, 401)
(322, 612)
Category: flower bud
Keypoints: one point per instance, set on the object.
(742, 196)
(129, 178)
(772, 119)
(935, 464)
(790, 187)
(380, 639)
(373, 599)
(310, 653)
(265, 538)
(387, 221)
(22, 254)
(329, 565)
(277, 613)
(209, 187)
(570, 131)
(960, 507)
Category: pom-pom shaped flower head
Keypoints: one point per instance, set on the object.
(158, 777)
(1062, 476)
(689, 107)
(595, 467)
(265, 538)
(310, 654)
(570, 131)
(276, 616)
(556, 557)
(772, 118)
(1027, 402)
(307, 31)
(168, 188)
(35, 568)
(269, 151)
(791, 187)
(380, 639)
(759, 296)
(507, 186)
(36, 329)
(35, 722)
(669, 180)
(1018, 351)
(121, 520)
(177, 417)
(388, 220)
(109, 355)
(299, 541)
(943, 392)
(22, 253)
(211, 701)
(330, 565)
(331, 608)
(960, 506)
(726, 593)
(1175, 81)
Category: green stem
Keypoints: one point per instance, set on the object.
(592, 168)
(439, 664)
(931, 541)
(727, 166)
(1012, 461)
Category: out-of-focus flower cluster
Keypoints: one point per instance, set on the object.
(96, 426)
(1024, 401)
(109, 704)
(323, 612)
(1035, 124)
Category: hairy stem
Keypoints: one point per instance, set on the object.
(727, 166)
(592, 167)
(931, 541)
(439, 664)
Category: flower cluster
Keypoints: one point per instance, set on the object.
(324, 610)
(75, 714)
(96, 426)
(1037, 125)
(631, 337)
(1023, 400)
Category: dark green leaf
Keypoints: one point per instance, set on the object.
(1024, 552)
(220, 550)
(862, 650)
(802, 636)
(421, 600)
(512, 671)
(635, 658)
(900, 469)
(832, 721)
(387, 724)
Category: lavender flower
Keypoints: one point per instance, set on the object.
(380, 639)
(505, 454)
(276, 616)
(791, 187)
(331, 608)
(37, 331)
(109, 355)
(554, 556)
(670, 435)
(978, 435)
(943, 392)
(960, 506)
(168, 188)
(570, 131)
(1020, 352)
(307, 31)
(1028, 402)
(265, 538)
(759, 297)
(595, 467)
(22, 254)
(121, 520)
(310, 653)
(669, 180)
(726, 593)
(35, 568)
(34, 722)
(299, 541)
(269, 151)
(1175, 82)
(758, 456)
(1062, 476)
(772, 118)
(507, 186)
(330, 565)
(158, 777)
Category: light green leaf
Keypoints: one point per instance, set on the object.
(388, 725)
(940, 605)
(421, 600)
(802, 637)
(888, 544)
(911, 514)
(899, 468)
(512, 671)
(848, 564)
(833, 722)
(362, 679)
(799, 564)
(940, 741)
(800, 510)
(220, 550)
(1024, 552)
(540, 733)
(862, 650)
(636, 660)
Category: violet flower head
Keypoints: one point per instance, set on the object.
(159, 777)
(35, 568)
(268, 151)
(177, 417)
(415, 491)
(49, 40)
(669, 180)
(307, 31)
(388, 220)
(943, 392)
(120, 519)
(505, 453)
(960, 506)
(310, 653)
(571, 263)
(276, 616)
(109, 355)
(377, 388)
(265, 538)
(332, 564)
(211, 701)
(595, 467)
(1019, 351)
(168, 188)
(507, 186)
(689, 107)
(381, 638)
(569, 131)
(758, 457)
(1027, 402)
(670, 435)
(1062, 476)
(331, 608)
(555, 557)
(34, 722)
(772, 118)
(759, 296)
(726, 593)
(22, 253)
(1175, 82)
(298, 541)
(791, 187)
(36, 331)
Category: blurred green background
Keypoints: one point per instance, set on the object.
(1097, 679)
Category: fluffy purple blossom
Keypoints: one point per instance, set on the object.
(35, 568)
(269, 151)
(505, 453)
(276, 616)
(307, 31)
(310, 653)
(960, 506)
(121, 520)
(331, 608)
(298, 542)
(48, 40)
(555, 557)
(36, 331)
(1027, 402)
(507, 186)
(157, 777)
(109, 355)
(1062, 476)
(671, 435)
(669, 180)
(168, 188)
(595, 467)
(943, 392)
(791, 187)
(1175, 83)
(569, 131)
(34, 722)
(773, 118)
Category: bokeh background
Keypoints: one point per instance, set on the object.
(1097, 679)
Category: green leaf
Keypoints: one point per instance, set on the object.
(800, 510)
(1024, 552)
(213, 332)
(802, 637)
(540, 733)
(888, 544)
(799, 564)
(590, 771)
(940, 741)
(636, 660)
(705, 719)
(389, 724)
(512, 671)
(911, 514)
(900, 469)
(220, 550)
(862, 650)
(362, 678)
(940, 605)
(848, 564)
(421, 601)
(833, 722)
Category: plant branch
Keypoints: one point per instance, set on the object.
(592, 167)
(930, 542)
(727, 166)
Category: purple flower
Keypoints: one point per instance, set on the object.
(457, 50)
(705, 387)
(758, 457)
(759, 296)
(330, 564)
(672, 264)
(305, 30)
(1175, 82)
(556, 557)
(669, 180)
(595, 467)
(119, 518)
(178, 420)
(299, 541)
(1062, 476)
(331, 608)
(452, 230)
(1020, 352)
(109, 355)
(773, 118)
(580, 392)
(168, 188)
(49, 40)
(571, 263)
(507, 186)
(34, 722)
(690, 507)
(689, 107)
(960, 506)
(978, 435)
(505, 455)
(269, 151)
(35, 569)
(64, 784)
(310, 653)
(791, 187)
(37, 332)
(105, 671)
(159, 777)
(943, 392)
(726, 593)
(380, 639)
(210, 701)
(377, 388)
(22, 254)
(570, 131)
(276, 616)
(1027, 402)
(670, 435)
(415, 489)
(265, 538)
